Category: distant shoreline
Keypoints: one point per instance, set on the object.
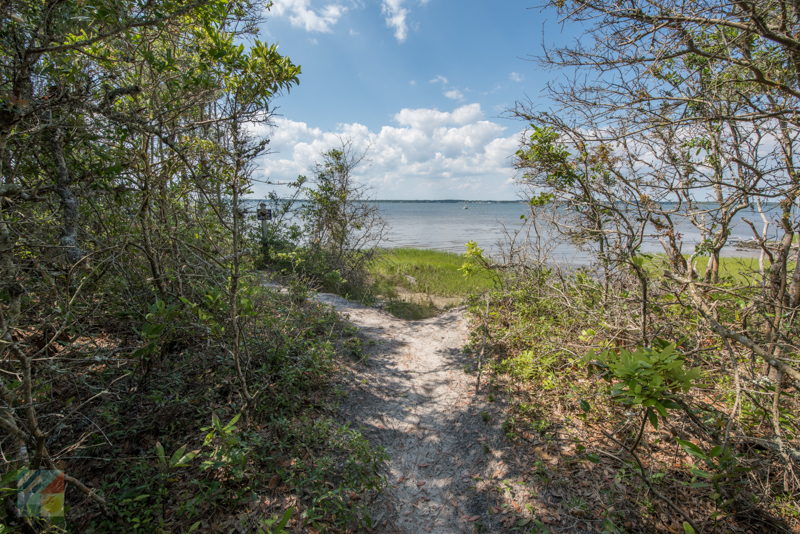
(451, 201)
(384, 201)
(699, 204)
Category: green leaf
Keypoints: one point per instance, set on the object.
(181, 459)
(672, 405)
(692, 449)
(287, 515)
(162, 457)
(651, 415)
(687, 528)
(176, 456)
(9, 479)
(700, 473)
(150, 330)
(232, 422)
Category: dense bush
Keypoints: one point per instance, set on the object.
(663, 419)
(335, 232)
(670, 125)
(137, 354)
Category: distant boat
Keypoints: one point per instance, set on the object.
(466, 207)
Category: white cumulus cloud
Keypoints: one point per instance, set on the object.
(427, 153)
(302, 15)
(395, 15)
(454, 94)
(427, 119)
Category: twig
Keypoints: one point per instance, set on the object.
(647, 482)
(86, 490)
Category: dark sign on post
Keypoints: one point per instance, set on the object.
(263, 213)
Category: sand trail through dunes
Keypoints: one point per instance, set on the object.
(414, 397)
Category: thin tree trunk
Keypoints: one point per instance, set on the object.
(69, 202)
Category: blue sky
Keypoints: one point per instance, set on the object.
(422, 85)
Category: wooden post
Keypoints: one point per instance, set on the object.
(264, 215)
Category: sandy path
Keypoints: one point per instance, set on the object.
(413, 397)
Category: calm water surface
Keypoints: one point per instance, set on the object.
(448, 225)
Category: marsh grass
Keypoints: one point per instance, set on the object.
(421, 283)
(740, 270)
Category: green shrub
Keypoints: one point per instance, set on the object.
(647, 377)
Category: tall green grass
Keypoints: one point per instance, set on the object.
(427, 271)
(740, 270)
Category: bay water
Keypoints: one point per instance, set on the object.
(449, 225)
